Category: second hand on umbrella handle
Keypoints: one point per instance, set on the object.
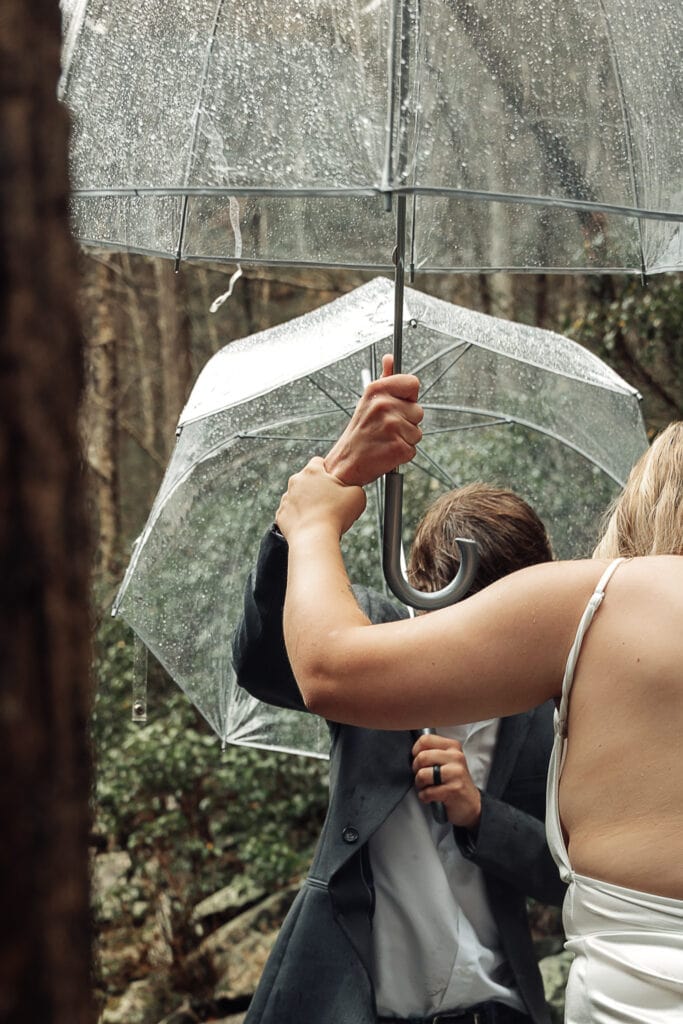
(439, 813)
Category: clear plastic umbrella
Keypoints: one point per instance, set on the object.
(506, 403)
(534, 135)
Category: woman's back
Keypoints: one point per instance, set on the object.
(620, 790)
(616, 771)
(502, 651)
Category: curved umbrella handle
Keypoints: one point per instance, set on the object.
(391, 556)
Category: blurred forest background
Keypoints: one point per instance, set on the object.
(188, 839)
(194, 852)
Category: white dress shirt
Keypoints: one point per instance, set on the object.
(436, 946)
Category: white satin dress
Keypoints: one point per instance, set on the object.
(628, 945)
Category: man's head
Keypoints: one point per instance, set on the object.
(508, 533)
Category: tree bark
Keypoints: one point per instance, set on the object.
(101, 414)
(174, 349)
(44, 632)
(142, 334)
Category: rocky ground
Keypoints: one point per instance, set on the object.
(154, 968)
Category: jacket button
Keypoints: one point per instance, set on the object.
(350, 834)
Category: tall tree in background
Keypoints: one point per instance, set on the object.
(44, 634)
(100, 417)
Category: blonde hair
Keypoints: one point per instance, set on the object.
(647, 518)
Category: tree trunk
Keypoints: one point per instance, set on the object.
(44, 642)
(174, 349)
(101, 414)
(142, 335)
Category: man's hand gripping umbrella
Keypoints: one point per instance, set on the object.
(382, 434)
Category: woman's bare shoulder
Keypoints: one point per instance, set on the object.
(565, 578)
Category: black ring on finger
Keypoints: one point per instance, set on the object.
(436, 774)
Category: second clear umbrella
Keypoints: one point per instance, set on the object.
(505, 403)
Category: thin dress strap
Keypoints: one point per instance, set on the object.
(552, 818)
(586, 619)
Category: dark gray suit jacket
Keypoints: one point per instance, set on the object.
(317, 972)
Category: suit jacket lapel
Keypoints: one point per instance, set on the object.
(379, 779)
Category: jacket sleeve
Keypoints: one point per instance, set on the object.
(259, 655)
(510, 843)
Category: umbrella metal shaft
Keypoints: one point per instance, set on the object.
(393, 481)
(399, 280)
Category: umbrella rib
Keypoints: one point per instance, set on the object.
(464, 349)
(628, 134)
(445, 476)
(493, 422)
(457, 343)
(283, 748)
(287, 437)
(588, 207)
(256, 436)
(195, 129)
(274, 425)
(531, 426)
(227, 441)
(379, 523)
(327, 394)
(387, 173)
(75, 24)
(619, 386)
(441, 474)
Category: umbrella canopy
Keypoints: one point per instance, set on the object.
(509, 404)
(528, 135)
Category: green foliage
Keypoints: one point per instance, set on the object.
(179, 805)
(639, 331)
(654, 314)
